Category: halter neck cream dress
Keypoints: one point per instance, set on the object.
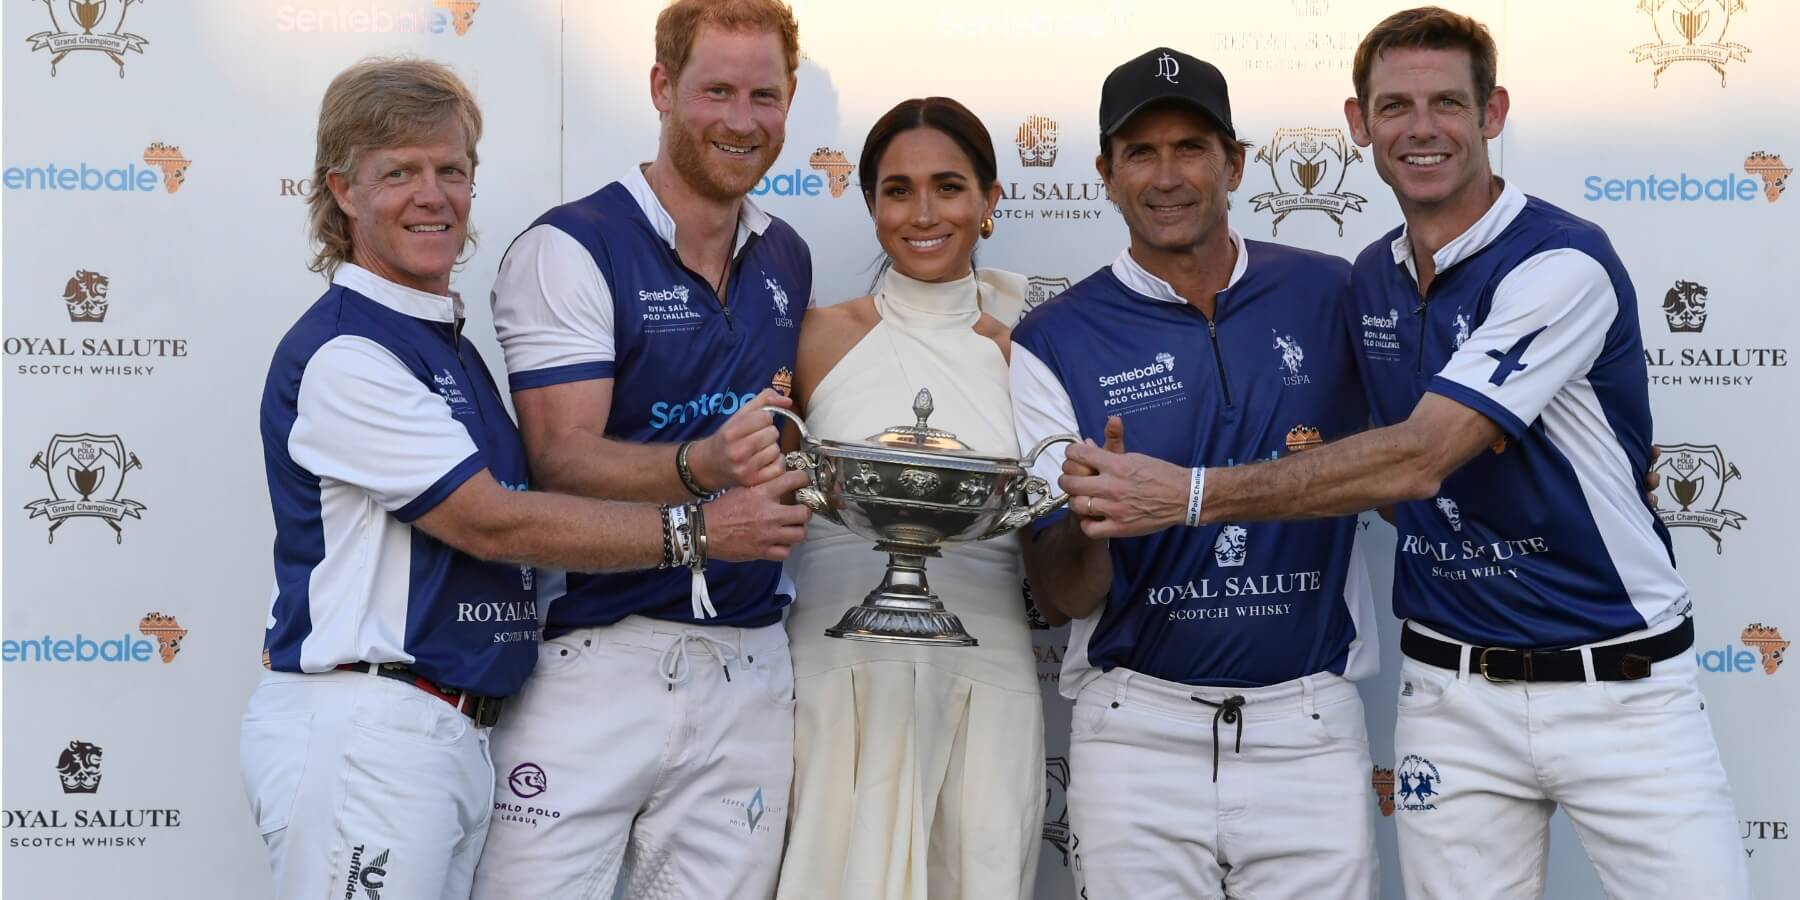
(918, 771)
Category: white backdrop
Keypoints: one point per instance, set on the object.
(200, 280)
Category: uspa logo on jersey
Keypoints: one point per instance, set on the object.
(1382, 780)
(1317, 162)
(368, 873)
(1767, 176)
(1036, 140)
(377, 17)
(163, 164)
(86, 475)
(1056, 806)
(1292, 357)
(1694, 476)
(77, 765)
(87, 297)
(1418, 784)
(164, 635)
(1689, 31)
(1768, 643)
(87, 16)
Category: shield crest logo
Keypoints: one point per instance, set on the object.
(85, 474)
(1694, 477)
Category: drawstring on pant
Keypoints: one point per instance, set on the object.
(674, 666)
(1231, 710)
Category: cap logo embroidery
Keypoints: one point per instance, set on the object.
(1167, 67)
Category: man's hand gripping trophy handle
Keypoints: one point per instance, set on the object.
(752, 521)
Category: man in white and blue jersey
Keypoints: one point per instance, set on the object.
(403, 610)
(1547, 629)
(645, 327)
(1218, 746)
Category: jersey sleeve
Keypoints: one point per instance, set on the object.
(1546, 327)
(553, 312)
(1041, 408)
(366, 420)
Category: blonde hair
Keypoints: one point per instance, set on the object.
(681, 21)
(378, 103)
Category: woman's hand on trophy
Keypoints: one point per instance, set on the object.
(752, 523)
(746, 450)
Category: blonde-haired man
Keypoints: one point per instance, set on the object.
(403, 610)
(643, 327)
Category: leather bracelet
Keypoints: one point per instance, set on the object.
(686, 474)
(668, 538)
(697, 521)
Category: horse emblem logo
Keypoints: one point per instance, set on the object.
(1418, 783)
(1313, 156)
(86, 473)
(87, 16)
(1701, 35)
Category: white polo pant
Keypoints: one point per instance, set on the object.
(1289, 817)
(667, 746)
(1481, 766)
(364, 786)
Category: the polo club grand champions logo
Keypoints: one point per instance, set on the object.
(86, 473)
(1694, 475)
(835, 166)
(1041, 289)
(1773, 172)
(115, 43)
(1036, 141)
(1315, 157)
(1695, 32)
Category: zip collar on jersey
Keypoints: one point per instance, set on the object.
(398, 297)
(1485, 230)
(751, 218)
(1139, 281)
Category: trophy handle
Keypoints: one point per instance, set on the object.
(1019, 516)
(805, 436)
(806, 459)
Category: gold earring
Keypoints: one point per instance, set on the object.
(987, 227)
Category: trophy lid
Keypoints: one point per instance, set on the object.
(920, 436)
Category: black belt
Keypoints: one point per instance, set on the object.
(1613, 662)
(485, 711)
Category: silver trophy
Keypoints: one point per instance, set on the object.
(911, 489)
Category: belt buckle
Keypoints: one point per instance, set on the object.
(485, 711)
(1484, 665)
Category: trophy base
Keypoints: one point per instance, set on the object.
(903, 609)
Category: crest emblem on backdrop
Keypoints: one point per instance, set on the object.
(1689, 31)
(87, 16)
(1036, 141)
(86, 473)
(1312, 180)
(1694, 476)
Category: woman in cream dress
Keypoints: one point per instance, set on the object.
(919, 771)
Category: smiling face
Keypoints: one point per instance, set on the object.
(1428, 129)
(1170, 170)
(928, 205)
(725, 116)
(409, 208)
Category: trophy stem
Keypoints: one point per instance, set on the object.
(903, 609)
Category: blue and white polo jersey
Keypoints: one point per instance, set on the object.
(595, 290)
(375, 410)
(1236, 604)
(1544, 540)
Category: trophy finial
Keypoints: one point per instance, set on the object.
(922, 406)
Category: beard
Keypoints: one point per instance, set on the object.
(694, 160)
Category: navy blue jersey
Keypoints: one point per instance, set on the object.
(374, 411)
(1239, 604)
(1546, 539)
(594, 289)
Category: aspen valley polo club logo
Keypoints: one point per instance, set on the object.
(86, 474)
(82, 348)
(1694, 477)
(163, 164)
(1315, 158)
(1689, 31)
(114, 42)
(83, 824)
(1686, 359)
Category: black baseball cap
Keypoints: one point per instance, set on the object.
(1164, 74)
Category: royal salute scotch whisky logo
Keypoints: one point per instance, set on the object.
(1694, 477)
(84, 351)
(1689, 31)
(85, 296)
(1684, 361)
(79, 768)
(1317, 162)
(1036, 141)
(86, 474)
(1684, 306)
(83, 824)
(87, 16)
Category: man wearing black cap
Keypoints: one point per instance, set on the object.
(1217, 746)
